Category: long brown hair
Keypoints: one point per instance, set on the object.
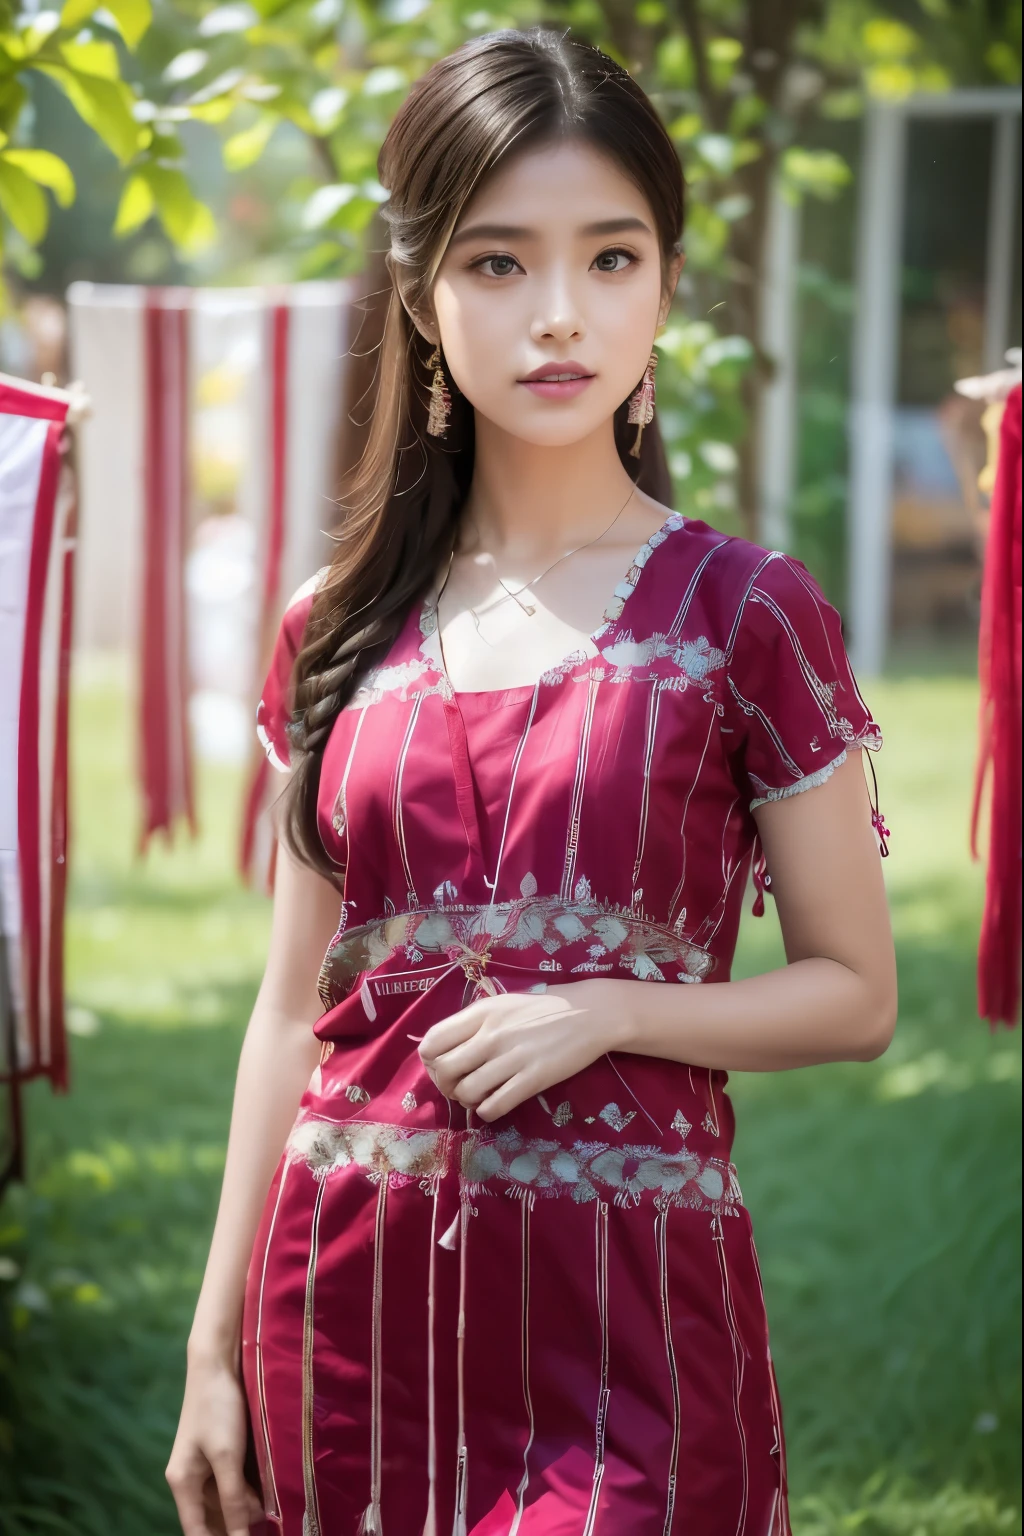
(495, 95)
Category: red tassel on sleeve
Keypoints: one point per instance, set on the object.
(999, 669)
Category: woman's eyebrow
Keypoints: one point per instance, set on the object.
(493, 232)
(523, 232)
(616, 226)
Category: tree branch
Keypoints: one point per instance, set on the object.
(689, 11)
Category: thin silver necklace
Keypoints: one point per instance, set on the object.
(528, 608)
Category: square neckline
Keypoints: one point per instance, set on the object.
(426, 617)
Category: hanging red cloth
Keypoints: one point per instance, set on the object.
(165, 748)
(251, 856)
(999, 669)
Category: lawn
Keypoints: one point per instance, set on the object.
(885, 1196)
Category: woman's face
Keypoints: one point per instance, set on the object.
(554, 269)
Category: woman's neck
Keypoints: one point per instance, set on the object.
(529, 500)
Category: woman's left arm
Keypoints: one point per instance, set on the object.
(835, 999)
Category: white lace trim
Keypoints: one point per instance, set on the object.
(810, 780)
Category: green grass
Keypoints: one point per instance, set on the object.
(885, 1196)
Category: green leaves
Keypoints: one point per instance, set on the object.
(23, 175)
(136, 205)
(132, 16)
(244, 149)
(22, 201)
(46, 170)
(106, 105)
(163, 190)
(86, 68)
(818, 172)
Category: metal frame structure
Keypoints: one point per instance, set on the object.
(876, 330)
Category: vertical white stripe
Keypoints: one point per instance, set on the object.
(462, 1468)
(573, 834)
(430, 1524)
(527, 1208)
(493, 886)
(396, 809)
(677, 894)
(714, 1103)
(601, 1256)
(271, 1500)
(780, 1507)
(311, 1515)
(653, 705)
(661, 1242)
(718, 1236)
(371, 1521)
(341, 800)
(692, 585)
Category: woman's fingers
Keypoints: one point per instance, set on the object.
(473, 1087)
(444, 1037)
(450, 1069)
(187, 1487)
(239, 1506)
(506, 1098)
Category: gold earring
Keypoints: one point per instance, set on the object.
(440, 398)
(641, 404)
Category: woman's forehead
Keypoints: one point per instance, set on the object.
(567, 186)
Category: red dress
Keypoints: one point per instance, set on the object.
(551, 1325)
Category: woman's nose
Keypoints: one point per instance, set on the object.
(558, 317)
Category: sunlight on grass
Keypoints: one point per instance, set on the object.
(885, 1195)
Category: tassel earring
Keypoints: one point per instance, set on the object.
(641, 404)
(440, 398)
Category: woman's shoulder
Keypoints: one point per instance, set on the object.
(706, 571)
(298, 606)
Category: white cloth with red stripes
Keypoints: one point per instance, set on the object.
(36, 555)
(173, 375)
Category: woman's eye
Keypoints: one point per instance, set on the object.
(613, 261)
(498, 266)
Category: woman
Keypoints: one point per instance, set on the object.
(537, 726)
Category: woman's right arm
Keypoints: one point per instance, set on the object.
(278, 1056)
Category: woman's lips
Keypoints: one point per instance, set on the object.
(562, 381)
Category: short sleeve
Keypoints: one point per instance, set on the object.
(795, 705)
(274, 711)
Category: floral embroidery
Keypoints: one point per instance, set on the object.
(488, 1162)
(681, 1124)
(474, 938)
(395, 1152)
(695, 659)
(382, 680)
(612, 1115)
(586, 1170)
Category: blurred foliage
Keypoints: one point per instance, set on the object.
(87, 67)
(273, 111)
(885, 1195)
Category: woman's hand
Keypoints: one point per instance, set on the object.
(205, 1470)
(502, 1050)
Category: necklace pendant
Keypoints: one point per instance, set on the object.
(528, 609)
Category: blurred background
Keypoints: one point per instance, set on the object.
(853, 250)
